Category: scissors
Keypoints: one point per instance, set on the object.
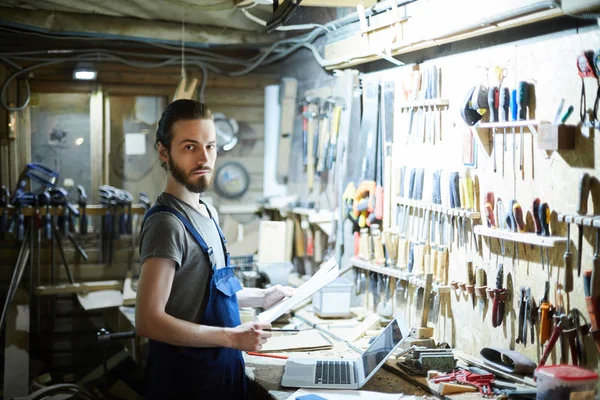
(501, 73)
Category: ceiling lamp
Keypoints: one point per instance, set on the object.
(85, 72)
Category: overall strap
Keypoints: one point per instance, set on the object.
(223, 240)
(188, 225)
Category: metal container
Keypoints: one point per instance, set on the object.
(333, 300)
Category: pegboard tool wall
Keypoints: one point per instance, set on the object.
(549, 62)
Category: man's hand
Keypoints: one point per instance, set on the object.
(274, 294)
(249, 336)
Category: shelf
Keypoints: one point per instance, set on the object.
(425, 103)
(358, 263)
(413, 279)
(314, 216)
(483, 131)
(585, 220)
(531, 124)
(91, 210)
(527, 237)
(457, 212)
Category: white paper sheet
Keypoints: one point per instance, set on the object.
(323, 277)
(351, 394)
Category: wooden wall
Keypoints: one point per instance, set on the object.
(547, 62)
(63, 338)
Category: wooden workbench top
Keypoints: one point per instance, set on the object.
(267, 372)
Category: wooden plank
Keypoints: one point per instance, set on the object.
(78, 287)
(357, 45)
(117, 73)
(239, 97)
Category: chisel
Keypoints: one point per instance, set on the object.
(584, 191)
(568, 257)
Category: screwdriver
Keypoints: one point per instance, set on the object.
(523, 100)
(504, 106)
(514, 117)
(568, 257)
(512, 223)
(584, 191)
(544, 214)
(493, 100)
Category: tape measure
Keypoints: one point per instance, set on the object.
(584, 65)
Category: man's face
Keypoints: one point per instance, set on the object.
(193, 153)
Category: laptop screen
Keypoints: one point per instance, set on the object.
(381, 347)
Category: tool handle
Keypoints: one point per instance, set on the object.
(411, 257)
(497, 310)
(379, 202)
(595, 281)
(402, 252)
(544, 322)
(461, 192)
(493, 103)
(521, 337)
(454, 190)
(513, 105)
(489, 213)
(555, 335)
(504, 104)
(469, 192)
(536, 216)
(442, 265)
(584, 191)
(568, 278)
(544, 215)
(518, 217)
(511, 218)
(523, 99)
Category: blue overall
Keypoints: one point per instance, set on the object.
(176, 372)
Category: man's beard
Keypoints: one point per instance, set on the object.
(193, 183)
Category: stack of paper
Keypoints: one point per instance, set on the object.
(323, 277)
(309, 340)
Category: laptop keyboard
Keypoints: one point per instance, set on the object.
(333, 372)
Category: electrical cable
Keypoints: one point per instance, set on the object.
(584, 16)
(275, 52)
(299, 27)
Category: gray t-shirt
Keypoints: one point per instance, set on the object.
(165, 236)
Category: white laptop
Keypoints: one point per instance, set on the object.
(345, 373)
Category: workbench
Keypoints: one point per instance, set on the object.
(266, 372)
